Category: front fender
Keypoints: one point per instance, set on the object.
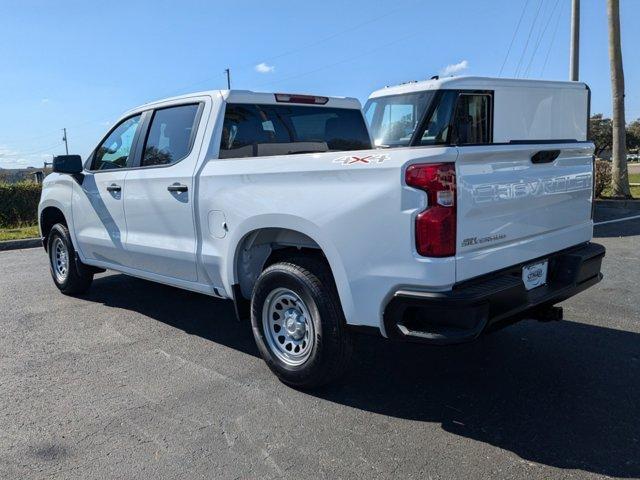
(57, 192)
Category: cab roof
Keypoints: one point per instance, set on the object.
(472, 83)
(248, 96)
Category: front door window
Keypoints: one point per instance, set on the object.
(115, 150)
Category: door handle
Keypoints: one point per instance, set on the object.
(545, 156)
(177, 187)
(114, 188)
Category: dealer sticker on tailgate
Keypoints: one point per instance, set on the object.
(535, 274)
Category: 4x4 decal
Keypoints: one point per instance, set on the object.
(351, 159)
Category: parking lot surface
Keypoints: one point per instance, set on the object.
(139, 380)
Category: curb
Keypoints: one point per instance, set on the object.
(622, 204)
(19, 244)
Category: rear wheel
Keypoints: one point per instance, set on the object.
(69, 274)
(298, 323)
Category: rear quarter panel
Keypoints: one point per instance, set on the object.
(358, 213)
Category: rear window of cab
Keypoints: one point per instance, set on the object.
(253, 130)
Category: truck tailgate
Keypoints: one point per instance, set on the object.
(520, 202)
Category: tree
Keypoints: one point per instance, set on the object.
(600, 133)
(633, 135)
(619, 174)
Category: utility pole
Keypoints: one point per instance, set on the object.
(619, 173)
(575, 41)
(64, 139)
(228, 72)
(40, 175)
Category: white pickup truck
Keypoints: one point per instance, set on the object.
(475, 210)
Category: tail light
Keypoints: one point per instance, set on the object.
(436, 226)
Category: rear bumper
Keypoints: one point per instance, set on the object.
(485, 303)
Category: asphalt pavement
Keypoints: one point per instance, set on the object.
(141, 381)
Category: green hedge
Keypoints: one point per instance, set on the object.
(19, 204)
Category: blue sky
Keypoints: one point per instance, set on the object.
(79, 64)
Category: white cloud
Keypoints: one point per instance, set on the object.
(264, 68)
(44, 100)
(14, 159)
(454, 68)
(7, 152)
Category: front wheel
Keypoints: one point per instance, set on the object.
(69, 274)
(298, 323)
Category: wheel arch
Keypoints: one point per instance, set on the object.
(48, 217)
(262, 246)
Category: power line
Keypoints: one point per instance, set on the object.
(45, 149)
(513, 37)
(553, 38)
(345, 60)
(329, 37)
(539, 40)
(307, 46)
(526, 45)
(540, 30)
(55, 132)
(227, 72)
(320, 41)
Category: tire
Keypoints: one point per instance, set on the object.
(70, 275)
(320, 346)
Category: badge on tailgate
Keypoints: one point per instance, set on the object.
(535, 274)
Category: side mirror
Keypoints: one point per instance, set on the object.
(71, 164)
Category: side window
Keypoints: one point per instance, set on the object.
(170, 135)
(472, 120)
(247, 128)
(114, 151)
(436, 128)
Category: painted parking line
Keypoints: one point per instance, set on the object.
(617, 220)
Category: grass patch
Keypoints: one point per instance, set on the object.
(19, 233)
(635, 190)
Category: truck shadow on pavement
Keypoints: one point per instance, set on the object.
(564, 394)
(193, 313)
(626, 228)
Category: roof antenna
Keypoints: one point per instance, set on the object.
(228, 72)
(435, 77)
